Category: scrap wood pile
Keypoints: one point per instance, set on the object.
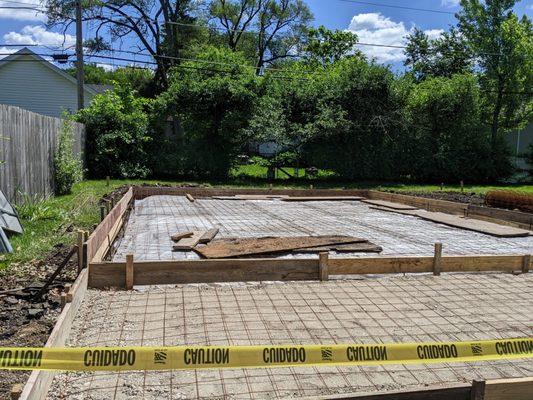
(204, 244)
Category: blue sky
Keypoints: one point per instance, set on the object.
(373, 24)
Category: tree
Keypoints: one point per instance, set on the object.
(326, 46)
(160, 27)
(277, 27)
(503, 46)
(444, 56)
(211, 108)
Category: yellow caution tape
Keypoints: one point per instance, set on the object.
(198, 357)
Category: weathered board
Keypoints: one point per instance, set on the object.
(178, 236)
(323, 198)
(188, 243)
(208, 236)
(388, 204)
(268, 245)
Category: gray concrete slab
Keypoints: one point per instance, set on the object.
(155, 219)
(384, 310)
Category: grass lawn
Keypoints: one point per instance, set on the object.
(55, 220)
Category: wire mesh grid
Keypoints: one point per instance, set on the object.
(155, 219)
(385, 310)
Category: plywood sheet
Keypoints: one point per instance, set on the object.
(268, 245)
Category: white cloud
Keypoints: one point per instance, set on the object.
(37, 34)
(5, 51)
(24, 15)
(450, 3)
(375, 28)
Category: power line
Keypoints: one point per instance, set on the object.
(367, 3)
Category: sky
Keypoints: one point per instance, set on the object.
(373, 22)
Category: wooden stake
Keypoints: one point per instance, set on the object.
(311, 187)
(108, 206)
(478, 390)
(526, 263)
(81, 236)
(323, 273)
(102, 213)
(437, 260)
(107, 181)
(63, 300)
(129, 271)
(462, 186)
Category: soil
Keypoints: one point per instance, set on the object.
(25, 321)
(468, 198)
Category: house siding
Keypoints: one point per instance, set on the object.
(34, 86)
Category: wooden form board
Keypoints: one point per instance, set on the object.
(102, 275)
(112, 274)
(39, 382)
(388, 204)
(102, 238)
(322, 198)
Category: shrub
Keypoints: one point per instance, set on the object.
(529, 159)
(117, 134)
(68, 167)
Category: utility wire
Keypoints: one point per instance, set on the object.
(367, 3)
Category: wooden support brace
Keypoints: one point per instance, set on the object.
(437, 259)
(129, 271)
(526, 263)
(102, 213)
(107, 206)
(323, 273)
(63, 300)
(189, 197)
(81, 237)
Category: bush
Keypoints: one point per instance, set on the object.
(529, 159)
(68, 167)
(117, 134)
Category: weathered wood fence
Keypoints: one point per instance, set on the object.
(27, 145)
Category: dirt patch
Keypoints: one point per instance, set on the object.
(458, 197)
(24, 320)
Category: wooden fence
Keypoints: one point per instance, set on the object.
(27, 146)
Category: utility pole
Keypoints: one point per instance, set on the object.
(79, 55)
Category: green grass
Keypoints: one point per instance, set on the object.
(48, 222)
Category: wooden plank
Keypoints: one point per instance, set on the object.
(394, 265)
(388, 204)
(509, 389)
(379, 265)
(323, 198)
(497, 213)
(101, 239)
(39, 382)
(253, 246)
(178, 236)
(413, 213)
(420, 202)
(450, 392)
(141, 192)
(189, 197)
(475, 225)
(208, 236)
(188, 243)
(105, 275)
(363, 247)
(249, 197)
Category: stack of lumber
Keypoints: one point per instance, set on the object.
(188, 240)
(233, 248)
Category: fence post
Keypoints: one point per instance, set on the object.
(437, 260)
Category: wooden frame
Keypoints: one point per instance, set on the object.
(126, 274)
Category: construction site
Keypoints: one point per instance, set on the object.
(244, 267)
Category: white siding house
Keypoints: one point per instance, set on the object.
(30, 82)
